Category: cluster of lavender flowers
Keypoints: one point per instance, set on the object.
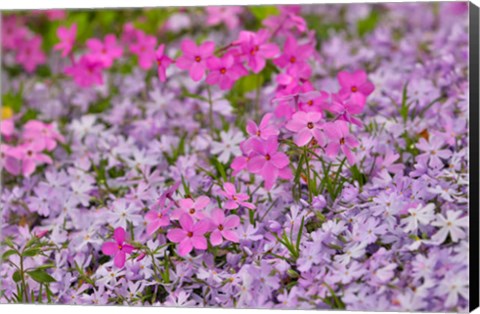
(311, 157)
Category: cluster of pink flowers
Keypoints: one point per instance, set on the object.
(27, 46)
(22, 152)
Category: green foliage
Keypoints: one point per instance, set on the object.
(264, 11)
(368, 24)
(40, 276)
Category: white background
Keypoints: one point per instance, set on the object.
(63, 309)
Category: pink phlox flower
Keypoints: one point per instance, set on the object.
(195, 58)
(227, 15)
(105, 52)
(344, 108)
(269, 162)
(30, 54)
(10, 159)
(306, 125)
(190, 235)
(67, 39)
(86, 72)
(163, 62)
(157, 219)
(7, 128)
(222, 227)
(340, 138)
(264, 130)
(47, 134)
(224, 71)
(256, 48)
(12, 32)
(313, 101)
(118, 249)
(144, 48)
(234, 199)
(192, 207)
(294, 56)
(355, 86)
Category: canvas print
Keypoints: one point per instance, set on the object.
(290, 157)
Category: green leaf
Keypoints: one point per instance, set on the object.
(31, 252)
(16, 276)
(8, 253)
(264, 11)
(41, 276)
(368, 24)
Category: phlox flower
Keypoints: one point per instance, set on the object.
(195, 58)
(355, 86)
(156, 219)
(264, 130)
(31, 155)
(30, 53)
(67, 39)
(12, 32)
(118, 249)
(47, 134)
(313, 101)
(340, 139)
(344, 108)
(294, 56)
(256, 48)
(163, 62)
(144, 48)
(190, 235)
(7, 128)
(10, 159)
(192, 207)
(229, 145)
(451, 224)
(86, 72)
(433, 151)
(223, 227)
(419, 214)
(306, 125)
(227, 15)
(224, 71)
(269, 162)
(105, 52)
(234, 199)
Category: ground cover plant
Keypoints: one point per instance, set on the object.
(311, 157)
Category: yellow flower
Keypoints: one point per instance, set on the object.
(7, 113)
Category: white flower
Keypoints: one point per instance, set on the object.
(450, 225)
(228, 146)
(419, 214)
(453, 286)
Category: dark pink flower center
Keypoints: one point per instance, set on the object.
(220, 227)
(342, 141)
(310, 125)
(223, 70)
(267, 157)
(192, 211)
(189, 234)
(354, 89)
(293, 59)
(198, 59)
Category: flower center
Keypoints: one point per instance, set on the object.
(159, 215)
(258, 133)
(354, 89)
(310, 125)
(310, 102)
(29, 153)
(220, 227)
(159, 62)
(192, 211)
(190, 234)
(198, 59)
(293, 59)
(234, 198)
(223, 70)
(120, 246)
(267, 157)
(342, 141)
